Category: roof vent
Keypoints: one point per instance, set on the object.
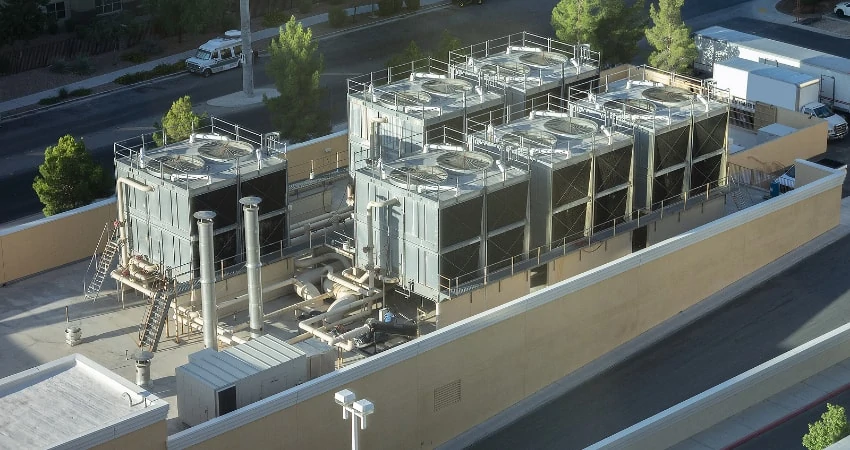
(224, 151)
(464, 162)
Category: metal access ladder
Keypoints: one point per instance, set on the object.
(104, 262)
(742, 200)
(151, 327)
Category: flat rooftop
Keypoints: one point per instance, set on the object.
(47, 405)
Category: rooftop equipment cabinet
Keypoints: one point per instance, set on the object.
(527, 67)
(214, 383)
(719, 44)
(397, 111)
(680, 130)
(458, 210)
(581, 169)
(212, 170)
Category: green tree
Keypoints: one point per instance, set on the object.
(411, 53)
(670, 37)
(69, 177)
(21, 20)
(831, 428)
(608, 26)
(178, 122)
(448, 43)
(295, 65)
(181, 17)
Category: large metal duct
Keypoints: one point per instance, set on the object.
(205, 252)
(251, 208)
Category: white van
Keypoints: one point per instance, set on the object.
(217, 55)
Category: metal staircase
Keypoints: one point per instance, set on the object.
(742, 199)
(103, 263)
(151, 327)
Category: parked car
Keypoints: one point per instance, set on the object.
(842, 9)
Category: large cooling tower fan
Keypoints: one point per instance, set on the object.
(505, 69)
(223, 151)
(571, 126)
(405, 98)
(667, 95)
(543, 59)
(464, 162)
(447, 86)
(412, 176)
(630, 106)
(167, 165)
(530, 139)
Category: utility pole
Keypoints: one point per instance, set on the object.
(247, 51)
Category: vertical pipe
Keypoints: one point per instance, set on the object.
(205, 252)
(370, 242)
(251, 207)
(247, 50)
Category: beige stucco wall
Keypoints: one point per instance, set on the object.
(681, 221)
(325, 153)
(777, 154)
(510, 358)
(52, 242)
(150, 437)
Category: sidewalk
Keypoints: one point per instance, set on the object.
(267, 33)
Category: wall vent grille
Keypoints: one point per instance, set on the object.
(447, 395)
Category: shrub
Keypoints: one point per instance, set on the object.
(134, 57)
(388, 7)
(158, 71)
(59, 66)
(337, 16)
(274, 19)
(81, 66)
(412, 5)
(63, 94)
(305, 6)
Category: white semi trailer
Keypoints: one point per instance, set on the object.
(718, 44)
(780, 86)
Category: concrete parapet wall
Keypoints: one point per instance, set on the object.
(54, 241)
(778, 154)
(725, 400)
(431, 389)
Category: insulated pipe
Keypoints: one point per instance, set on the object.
(251, 208)
(122, 213)
(116, 275)
(349, 273)
(346, 283)
(373, 132)
(205, 251)
(310, 262)
(370, 246)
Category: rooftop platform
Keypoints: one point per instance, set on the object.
(36, 405)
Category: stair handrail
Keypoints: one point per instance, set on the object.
(94, 258)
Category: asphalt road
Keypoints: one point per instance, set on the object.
(122, 115)
(794, 307)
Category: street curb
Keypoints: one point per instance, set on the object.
(29, 112)
(15, 116)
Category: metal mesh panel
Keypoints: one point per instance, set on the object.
(225, 246)
(705, 171)
(501, 247)
(666, 186)
(462, 263)
(270, 187)
(570, 183)
(608, 208)
(709, 135)
(273, 230)
(671, 148)
(507, 206)
(613, 168)
(460, 222)
(222, 201)
(569, 223)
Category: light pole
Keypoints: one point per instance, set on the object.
(358, 409)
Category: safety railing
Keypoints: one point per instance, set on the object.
(459, 284)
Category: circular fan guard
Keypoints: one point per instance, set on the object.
(505, 69)
(543, 59)
(464, 162)
(667, 94)
(225, 150)
(168, 165)
(409, 176)
(631, 106)
(573, 126)
(405, 98)
(530, 139)
(447, 86)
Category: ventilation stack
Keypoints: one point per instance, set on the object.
(251, 208)
(206, 252)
